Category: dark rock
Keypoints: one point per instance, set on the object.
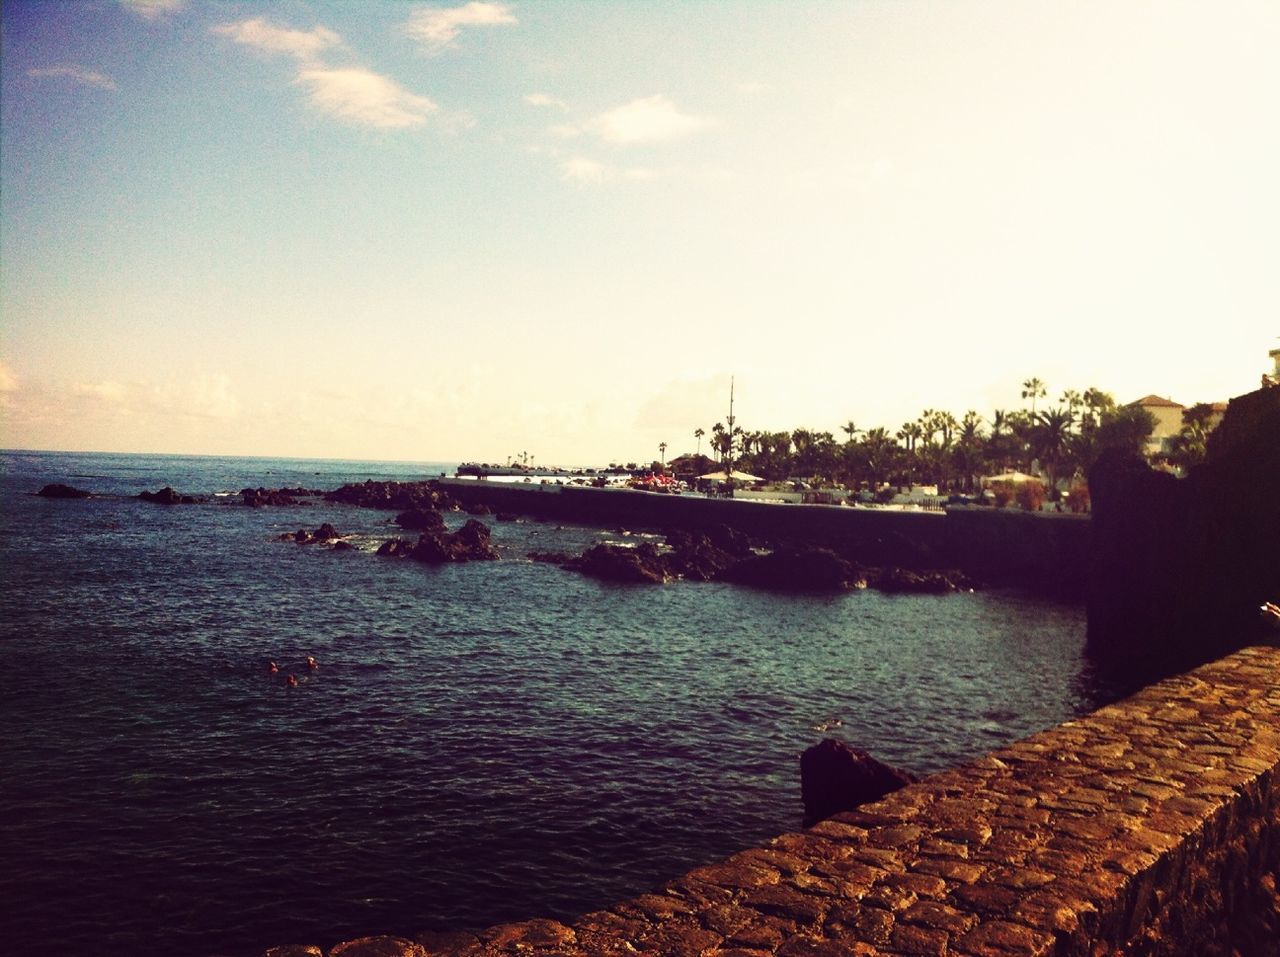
(325, 533)
(900, 580)
(506, 517)
(730, 540)
(259, 497)
(420, 520)
(695, 557)
(835, 777)
(793, 569)
(63, 491)
(469, 544)
(478, 508)
(341, 546)
(393, 495)
(396, 548)
(166, 496)
(622, 564)
(551, 558)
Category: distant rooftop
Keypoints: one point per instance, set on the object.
(1157, 402)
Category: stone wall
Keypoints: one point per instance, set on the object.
(1150, 827)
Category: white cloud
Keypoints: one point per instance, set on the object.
(649, 119)
(108, 392)
(437, 27)
(206, 396)
(153, 9)
(363, 97)
(579, 169)
(305, 45)
(76, 73)
(8, 381)
(752, 87)
(354, 94)
(542, 99)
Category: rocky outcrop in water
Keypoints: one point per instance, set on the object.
(1181, 566)
(695, 557)
(835, 777)
(794, 570)
(420, 520)
(399, 496)
(167, 496)
(471, 543)
(57, 490)
(324, 535)
(261, 497)
(622, 564)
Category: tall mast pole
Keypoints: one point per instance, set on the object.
(728, 467)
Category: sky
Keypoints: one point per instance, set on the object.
(445, 232)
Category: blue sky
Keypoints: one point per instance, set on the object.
(434, 231)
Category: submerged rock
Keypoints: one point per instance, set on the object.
(57, 490)
(835, 777)
(323, 535)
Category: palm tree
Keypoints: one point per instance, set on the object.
(850, 430)
(1034, 389)
(662, 451)
(698, 434)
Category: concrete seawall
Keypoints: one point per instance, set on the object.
(1003, 546)
(1149, 827)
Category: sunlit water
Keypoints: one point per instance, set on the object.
(481, 742)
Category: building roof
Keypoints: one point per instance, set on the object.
(1155, 401)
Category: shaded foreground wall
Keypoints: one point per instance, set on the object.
(1150, 827)
(1002, 546)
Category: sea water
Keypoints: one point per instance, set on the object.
(479, 743)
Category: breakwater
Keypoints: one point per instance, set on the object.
(1047, 552)
(1149, 827)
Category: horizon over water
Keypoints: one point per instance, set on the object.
(480, 743)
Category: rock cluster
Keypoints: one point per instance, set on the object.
(727, 555)
(326, 534)
(471, 543)
(259, 497)
(398, 496)
(57, 490)
(167, 496)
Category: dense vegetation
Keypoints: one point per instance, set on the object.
(1058, 442)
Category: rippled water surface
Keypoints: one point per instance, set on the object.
(481, 743)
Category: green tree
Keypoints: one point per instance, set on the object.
(1034, 389)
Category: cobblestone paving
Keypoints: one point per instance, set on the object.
(1142, 828)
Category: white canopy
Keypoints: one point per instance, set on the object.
(1015, 477)
(735, 475)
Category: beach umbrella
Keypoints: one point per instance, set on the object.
(735, 475)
